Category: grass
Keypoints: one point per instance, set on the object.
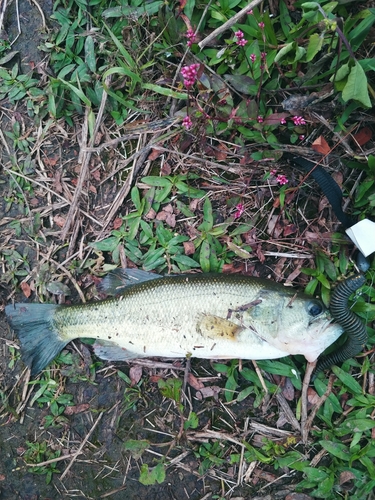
(115, 157)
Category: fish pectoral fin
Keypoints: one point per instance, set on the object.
(212, 327)
(113, 352)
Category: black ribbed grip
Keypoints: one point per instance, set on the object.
(351, 323)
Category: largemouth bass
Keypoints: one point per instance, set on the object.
(204, 315)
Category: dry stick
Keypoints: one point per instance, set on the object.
(78, 452)
(40, 12)
(305, 385)
(2, 13)
(315, 408)
(228, 24)
(53, 460)
(85, 164)
(306, 425)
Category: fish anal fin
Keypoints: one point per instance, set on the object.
(110, 351)
(210, 326)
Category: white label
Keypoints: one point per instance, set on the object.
(362, 235)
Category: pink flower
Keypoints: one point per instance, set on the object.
(250, 12)
(240, 210)
(283, 121)
(260, 119)
(261, 25)
(190, 74)
(298, 120)
(273, 171)
(301, 137)
(281, 179)
(187, 123)
(263, 55)
(190, 35)
(240, 38)
(253, 57)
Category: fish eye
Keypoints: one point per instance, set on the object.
(315, 308)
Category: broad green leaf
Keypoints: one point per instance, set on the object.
(285, 50)
(338, 450)
(245, 393)
(136, 447)
(165, 91)
(356, 86)
(90, 58)
(78, 92)
(128, 58)
(208, 219)
(157, 181)
(107, 245)
(150, 477)
(120, 70)
(315, 474)
(241, 252)
(185, 260)
(355, 425)
(136, 199)
(148, 9)
(315, 45)
(348, 380)
(204, 256)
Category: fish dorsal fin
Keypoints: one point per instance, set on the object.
(116, 281)
(210, 326)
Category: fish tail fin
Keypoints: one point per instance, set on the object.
(34, 326)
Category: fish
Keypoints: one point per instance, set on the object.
(212, 316)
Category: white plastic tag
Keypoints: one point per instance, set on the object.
(362, 235)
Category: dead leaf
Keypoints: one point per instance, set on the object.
(167, 216)
(346, 476)
(289, 229)
(338, 177)
(135, 374)
(51, 162)
(195, 382)
(151, 214)
(59, 221)
(189, 247)
(25, 287)
(96, 175)
(312, 396)
(34, 202)
(288, 390)
(117, 223)
(165, 169)
(193, 204)
(363, 136)
(320, 145)
(221, 152)
(155, 153)
(73, 410)
(208, 392)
